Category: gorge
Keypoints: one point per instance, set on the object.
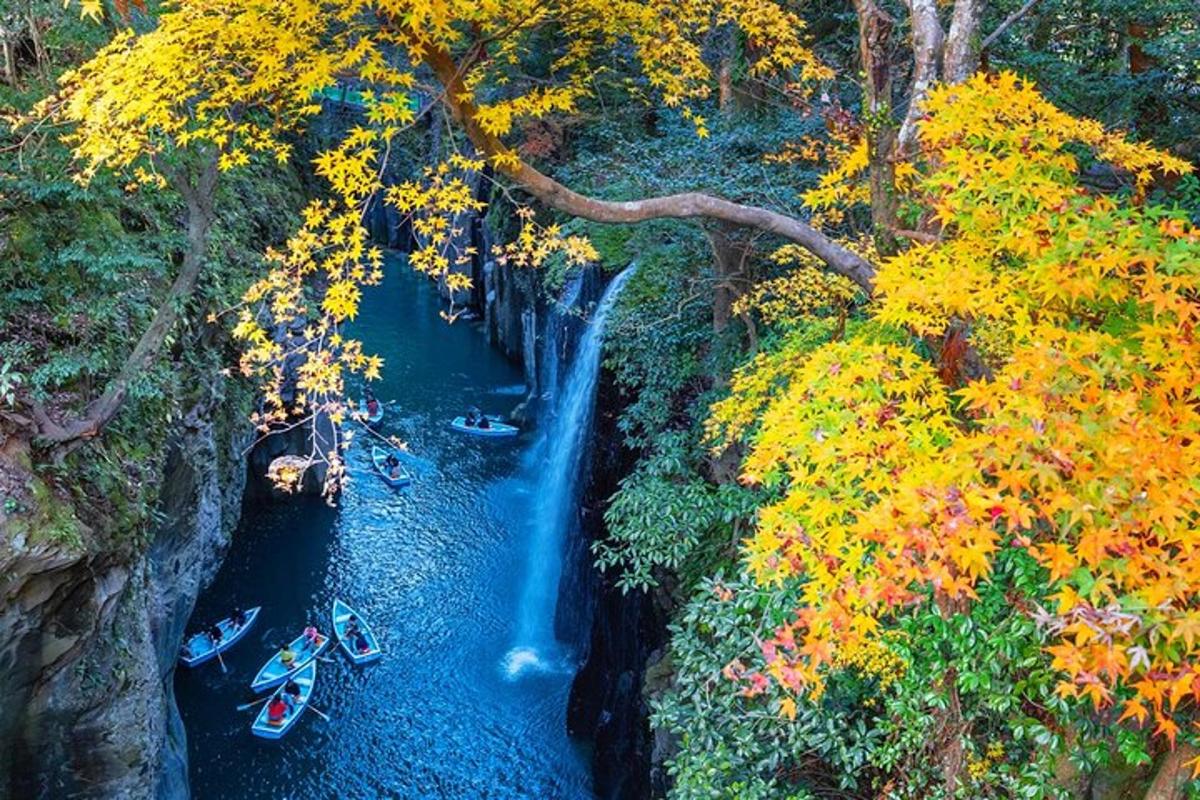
(849, 354)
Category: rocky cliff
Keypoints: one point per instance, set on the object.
(627, 634)
(90, 630)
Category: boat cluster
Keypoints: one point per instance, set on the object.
(388, 462)
(292, 671)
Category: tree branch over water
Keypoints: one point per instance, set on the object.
(686, 205)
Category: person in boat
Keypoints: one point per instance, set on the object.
(291, 693)
(470, 419)
(312, 637)
(361, 645)
(287, 656)
(484, 423)
(277, 710)
(215, 634)
(372, 403)
(392, 465)
(351, 627)
(238, 617)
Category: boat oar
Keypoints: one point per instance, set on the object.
(221, 661)
(320, 713)
(244, 706)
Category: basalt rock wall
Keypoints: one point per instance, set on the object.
(627, 636)
(90, 631)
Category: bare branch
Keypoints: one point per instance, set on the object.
(686, 205)
(1008, 22)
(918, 236)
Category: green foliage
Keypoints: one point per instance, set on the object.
(44, 517)
(83, 272)
(664, 513)
(869, 734)
(667, 515)
(1005, 687)
(1084, 54)
(10, 382)
(732, 745)
(619, 158)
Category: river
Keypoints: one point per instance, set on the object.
(439, 568)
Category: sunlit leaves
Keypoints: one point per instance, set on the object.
(843, 439)
(1080, 444)
(799, 295)
(535, 243)
(1026, 236)
(234, 76)
(237, 77)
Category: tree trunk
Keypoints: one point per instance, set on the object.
(952, 728)
(730, 256)
(874, 40)
(725, 86)
(1173, 774)
(10, 72)
(40, 56)
(961, 57)
(1150, 112)
(951, 755)
(198, 196)
(928, 41)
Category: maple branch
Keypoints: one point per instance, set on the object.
(686, 205)
(1008, 22)
(917, 236)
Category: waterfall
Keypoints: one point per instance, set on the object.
(555, 470)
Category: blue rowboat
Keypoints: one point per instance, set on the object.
(495, 429)
(359, 409)
(199, 648)
(341, 618)
(401, 477)
(371, 418)
(262, 726)
(274, 672)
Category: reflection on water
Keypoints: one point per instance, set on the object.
(437, 569)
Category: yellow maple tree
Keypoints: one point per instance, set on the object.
(1080, 442)
(142, 98)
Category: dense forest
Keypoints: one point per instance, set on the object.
(903, 382)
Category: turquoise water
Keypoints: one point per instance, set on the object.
(438, 569)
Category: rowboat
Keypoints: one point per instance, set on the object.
(341, 618)
(262, 726)
(402, 477)
(360, 408)
(274, 672)
(495, 428)
(200, 647)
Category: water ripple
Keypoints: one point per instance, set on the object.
(436, 567)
